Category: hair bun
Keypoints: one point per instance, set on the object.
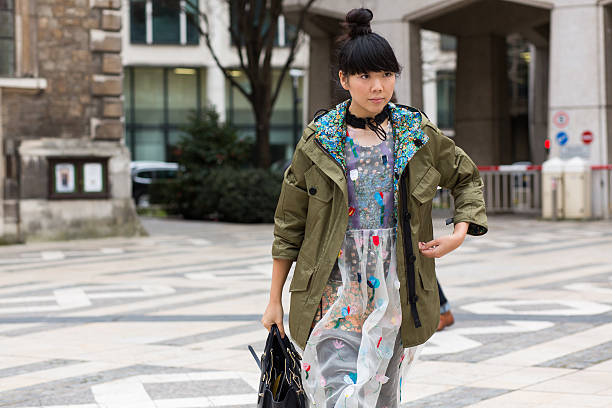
(358, 22)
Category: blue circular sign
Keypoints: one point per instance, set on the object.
(562, 138)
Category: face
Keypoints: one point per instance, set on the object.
(370, 91)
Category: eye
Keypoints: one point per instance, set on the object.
(388, 74)
(364, 76)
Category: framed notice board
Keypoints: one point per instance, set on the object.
(78, 177)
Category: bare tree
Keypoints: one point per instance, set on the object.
(253, 32)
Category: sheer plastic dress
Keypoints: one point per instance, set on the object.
(354, 356)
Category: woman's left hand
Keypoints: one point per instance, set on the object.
(439, 247)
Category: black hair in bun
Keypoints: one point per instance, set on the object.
(360, 50)
(358, 22)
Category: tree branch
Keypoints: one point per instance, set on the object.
(292, 51)
(206, 36)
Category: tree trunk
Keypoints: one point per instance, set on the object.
(262, 109)
(262, 140)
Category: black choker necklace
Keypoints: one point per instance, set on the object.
(373, 123)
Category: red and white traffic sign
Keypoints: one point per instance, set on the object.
(561, 119)
(587, 137)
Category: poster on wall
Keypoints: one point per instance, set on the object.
(92, 178)
(64, 178)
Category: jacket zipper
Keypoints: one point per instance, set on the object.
(409, 256)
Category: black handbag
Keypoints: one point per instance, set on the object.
(280, 385)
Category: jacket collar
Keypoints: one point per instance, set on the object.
(407, 133)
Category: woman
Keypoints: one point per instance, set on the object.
(355, 207)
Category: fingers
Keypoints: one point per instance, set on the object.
(268, 325)
(429, 249)
(281, 329)
(430, 244)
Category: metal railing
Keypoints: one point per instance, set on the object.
(518, 189)
(507, 189)
(512, 189)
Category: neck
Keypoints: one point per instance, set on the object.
(360, 112)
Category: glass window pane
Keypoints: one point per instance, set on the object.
(448, 42)
(149, 145)
(7, 4)
(7, 57)
(446, 99)
(6, 23)
(149, 95)
(238, 107)
(128, 141)
(182, 94)
(145, 174)
(127, 95)
(165, 174)
(193, 34)
(203, 80)
(290, 33)
(166, 22)
(138, 21)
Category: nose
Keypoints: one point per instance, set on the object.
(377, 85)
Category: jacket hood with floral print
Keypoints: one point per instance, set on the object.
(407, 133)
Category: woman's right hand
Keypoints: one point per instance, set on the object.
(274, 314)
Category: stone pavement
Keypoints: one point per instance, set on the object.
(164, 321)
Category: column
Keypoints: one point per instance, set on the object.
(405, 38)
(482, 124)
(578, 87)
(538, 102)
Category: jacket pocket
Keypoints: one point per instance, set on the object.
(318, 185)
(426, 188)
(301, 277)
(427, 272)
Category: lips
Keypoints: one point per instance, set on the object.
(377, 100)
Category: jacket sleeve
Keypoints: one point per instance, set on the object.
(292, 207)
(461, 176)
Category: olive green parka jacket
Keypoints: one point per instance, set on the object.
(311, 216)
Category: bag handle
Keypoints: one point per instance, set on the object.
(257, 361)
(274, 331)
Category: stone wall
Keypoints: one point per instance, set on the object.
(75, 45)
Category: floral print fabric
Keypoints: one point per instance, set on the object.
(354, 357)
(406, 131)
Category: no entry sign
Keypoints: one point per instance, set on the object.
(561, 119)
(587, 137)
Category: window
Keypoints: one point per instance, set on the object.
(158, 102)
(448, 42)
(138, 21)
(162, 22)
(445, 88)
(7, 38)
(239, 114)
(285, 32)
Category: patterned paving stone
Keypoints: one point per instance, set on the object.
(582, 359)
(29, 368)
(75, 390)
(190, 344)
(456, 398)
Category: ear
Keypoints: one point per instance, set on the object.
(343, 80)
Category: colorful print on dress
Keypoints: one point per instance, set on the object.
(357, 328)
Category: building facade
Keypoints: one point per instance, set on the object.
(169, 74)
(64, 167)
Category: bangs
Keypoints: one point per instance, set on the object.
(367, 53)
